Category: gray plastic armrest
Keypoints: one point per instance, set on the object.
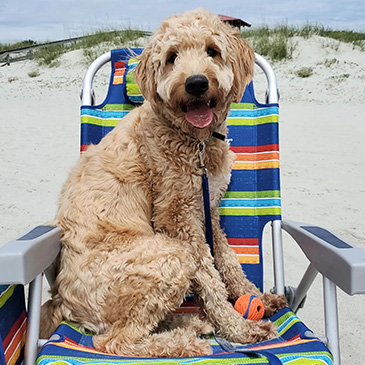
(338, 261)
(21, 260)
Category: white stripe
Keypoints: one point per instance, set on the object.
(240, 162)
(266, 207)
(101, 118)
(252, 117)
(247, 254)
(254, 153)
(6, 290)
(250, 199)
(12, 340)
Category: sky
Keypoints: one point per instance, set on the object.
(46, 20)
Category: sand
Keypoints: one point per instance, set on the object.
(322, 155)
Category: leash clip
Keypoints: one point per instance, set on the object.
(201, 147)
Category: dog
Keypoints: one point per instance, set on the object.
(131, 211)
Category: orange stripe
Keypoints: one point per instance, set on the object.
(119, 72)
(246, 250)
(243, 241)
(18, 338)
(279, 345)
(16, 354)
(256, 165)
(257, 157)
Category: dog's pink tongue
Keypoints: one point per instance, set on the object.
(199, 115)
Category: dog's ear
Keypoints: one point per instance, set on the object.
(243, 62)
(145, 75)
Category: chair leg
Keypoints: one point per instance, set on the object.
(34, 312)
(277, 243)
(331, 319)
(303, 287)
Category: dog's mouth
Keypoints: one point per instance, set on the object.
(199, 113)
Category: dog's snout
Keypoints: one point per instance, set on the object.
(196, 85)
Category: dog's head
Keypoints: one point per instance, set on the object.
(194, 67)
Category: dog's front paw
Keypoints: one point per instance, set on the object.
(260, 331)
(273, 303)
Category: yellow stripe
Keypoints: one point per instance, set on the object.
(256, 165)
(99, 121)
(6, 295)
(248, 259)
(250, 211)
(253, 121)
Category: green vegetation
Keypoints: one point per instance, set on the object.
(90, 43)
(12, 79)
(273, 43)
(277, 44)
(8, 46)
(48, 56)
(34, 73)
(304, 72)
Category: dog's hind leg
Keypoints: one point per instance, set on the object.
(146, 283)
(175, 343)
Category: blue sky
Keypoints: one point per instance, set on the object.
(51, 20)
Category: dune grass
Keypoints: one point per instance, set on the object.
(277, 44)
(89, 43)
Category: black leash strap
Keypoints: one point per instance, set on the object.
(206, 198)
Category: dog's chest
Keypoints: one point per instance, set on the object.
(217, 187)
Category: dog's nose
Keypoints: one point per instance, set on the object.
(196, 85)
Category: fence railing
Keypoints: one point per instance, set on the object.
(27, 53)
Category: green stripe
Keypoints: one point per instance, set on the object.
(5, 296)
(253, 194)
(99, 121)
(117, 107)
(253, 121)
(243, 106)
(289, 325)
(312, 358)
(228, 361)
(250, 211)
(133, 89)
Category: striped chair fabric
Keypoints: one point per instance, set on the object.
(13, 321)
(295, 346)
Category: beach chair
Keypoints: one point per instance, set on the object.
(251, 202)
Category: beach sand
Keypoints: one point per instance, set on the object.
(322, 156)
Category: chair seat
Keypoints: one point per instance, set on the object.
(296, 344)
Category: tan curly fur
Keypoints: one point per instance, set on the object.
(131, 212)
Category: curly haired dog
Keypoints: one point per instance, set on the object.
(131, 210)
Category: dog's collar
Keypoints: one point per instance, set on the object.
(220, 136)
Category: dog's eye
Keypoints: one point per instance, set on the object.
(172, 58)
(212, 52)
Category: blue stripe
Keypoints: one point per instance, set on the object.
(253, 113)
(104, 114)
(92, 134)
(136, 98)
(227, 202)
(245, 135)
(255, 180)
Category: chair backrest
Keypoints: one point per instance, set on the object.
(253, 197)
